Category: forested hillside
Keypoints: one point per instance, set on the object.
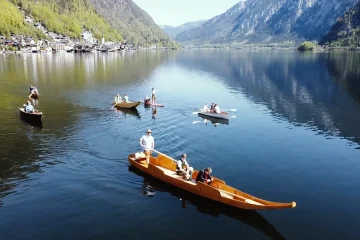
(12, 21)
(346, 30)
(133, 23)
(68, 17)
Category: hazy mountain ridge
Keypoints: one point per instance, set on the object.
(173, 31)
(267, 21)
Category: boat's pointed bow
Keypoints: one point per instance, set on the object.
(293, 204)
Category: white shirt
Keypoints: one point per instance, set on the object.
(153, 92)
(147, 142)
(126, 98)
(205, 108)
(217, 109)
(180, 165)
(29, 108)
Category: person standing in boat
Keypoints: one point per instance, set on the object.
(183, 168)
(31, 88)
(153, 95)
(204, 176)
(147, 142)
(126, 98)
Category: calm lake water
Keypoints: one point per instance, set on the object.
(295, 137)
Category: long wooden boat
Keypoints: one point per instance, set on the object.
(163, 168)
(214, 120)
(215, 115)
(210, 207)
(32, 117)
(127, 105)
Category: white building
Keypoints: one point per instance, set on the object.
(88, 37)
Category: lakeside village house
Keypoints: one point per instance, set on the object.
(59, 42)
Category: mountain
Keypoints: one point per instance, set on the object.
(346, 30)
(132, 22)
(269, 21)
(67, 17)
(173, 31)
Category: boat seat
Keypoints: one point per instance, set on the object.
(253, 202)
(226, 195)
(174, 175)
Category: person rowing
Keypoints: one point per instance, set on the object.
(205, 108)
(216, 109)
(147, 143)
(118, 98)
(126, 98)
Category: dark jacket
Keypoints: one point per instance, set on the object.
(201, 177)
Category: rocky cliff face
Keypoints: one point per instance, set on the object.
(135, 24)
(265, 21)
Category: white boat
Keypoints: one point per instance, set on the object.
(223, 115)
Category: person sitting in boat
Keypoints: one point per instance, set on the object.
(183, 168)
(147, 100)
(204, 176)
(205, 108)
(118, 98)
(126, 98)
(29, 108)
(211, 107)
(216, 109)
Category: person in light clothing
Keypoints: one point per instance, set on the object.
(216, 109)
(183, 168)
(29, 108)
(126, 98)
(205, 108)
(147, 142)
(153, 95)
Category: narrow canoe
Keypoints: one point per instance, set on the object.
(32, 117)
(215, 115)
(153, 104)
(127, 105)
(215, 120)
(163, 168)
(207, 206)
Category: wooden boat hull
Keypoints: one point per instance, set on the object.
(163, 168)
(215, 115)
(153, 104)
(127, 105)
(210, 207)
(31, 117)
(214, 120)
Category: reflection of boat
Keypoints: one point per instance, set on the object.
(153, 104)
(215, 115)
(210, 207)
(127, 105)
(30, 117)
(215, 120)
(164, 168)
(131, 111)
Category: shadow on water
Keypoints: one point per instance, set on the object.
(207, 206)
(132, 112)
(320, 91)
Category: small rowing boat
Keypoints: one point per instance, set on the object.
(153, 104)
(127, 105)
(31, 117)
(222, 115)
(215, 120)
(163, 168)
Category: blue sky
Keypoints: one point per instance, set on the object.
(174, 13)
